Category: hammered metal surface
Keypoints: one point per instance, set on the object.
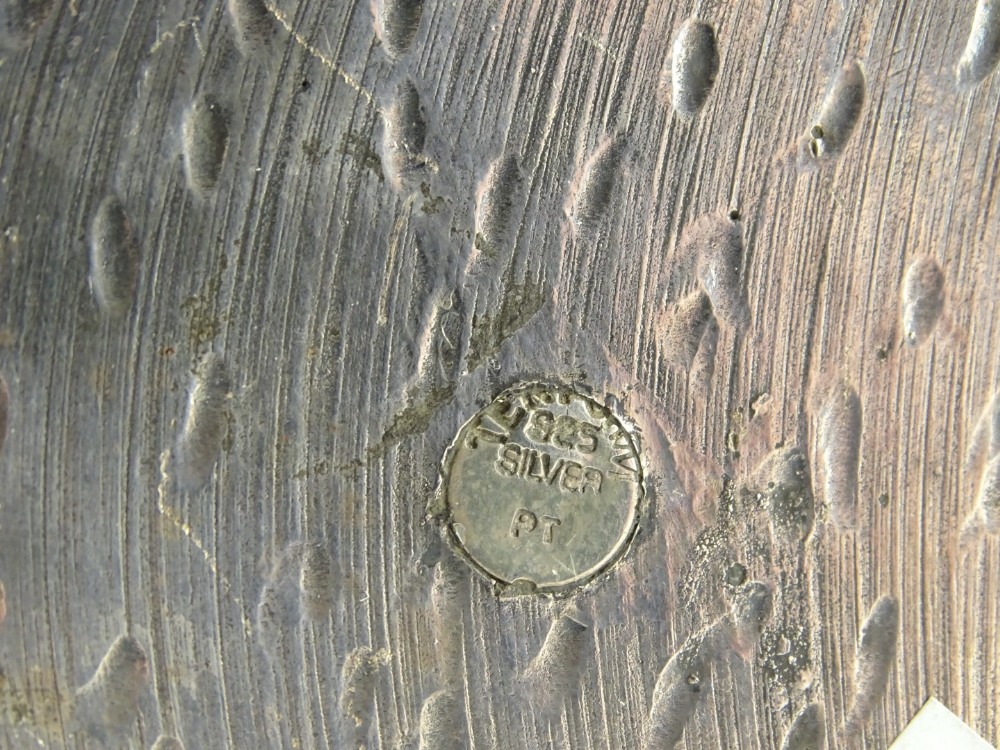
(261, 260)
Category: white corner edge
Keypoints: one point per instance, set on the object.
(935, 727)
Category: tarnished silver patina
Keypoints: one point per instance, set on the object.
(541, 489)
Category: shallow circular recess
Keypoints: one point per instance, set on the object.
(541, 489)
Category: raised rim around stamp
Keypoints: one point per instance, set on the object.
(440, 511)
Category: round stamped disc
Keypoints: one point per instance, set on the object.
(542, 489)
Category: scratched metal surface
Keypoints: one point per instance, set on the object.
(259, 262)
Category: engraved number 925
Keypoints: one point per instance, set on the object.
(562, 431)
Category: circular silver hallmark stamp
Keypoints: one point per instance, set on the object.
(541, 489)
